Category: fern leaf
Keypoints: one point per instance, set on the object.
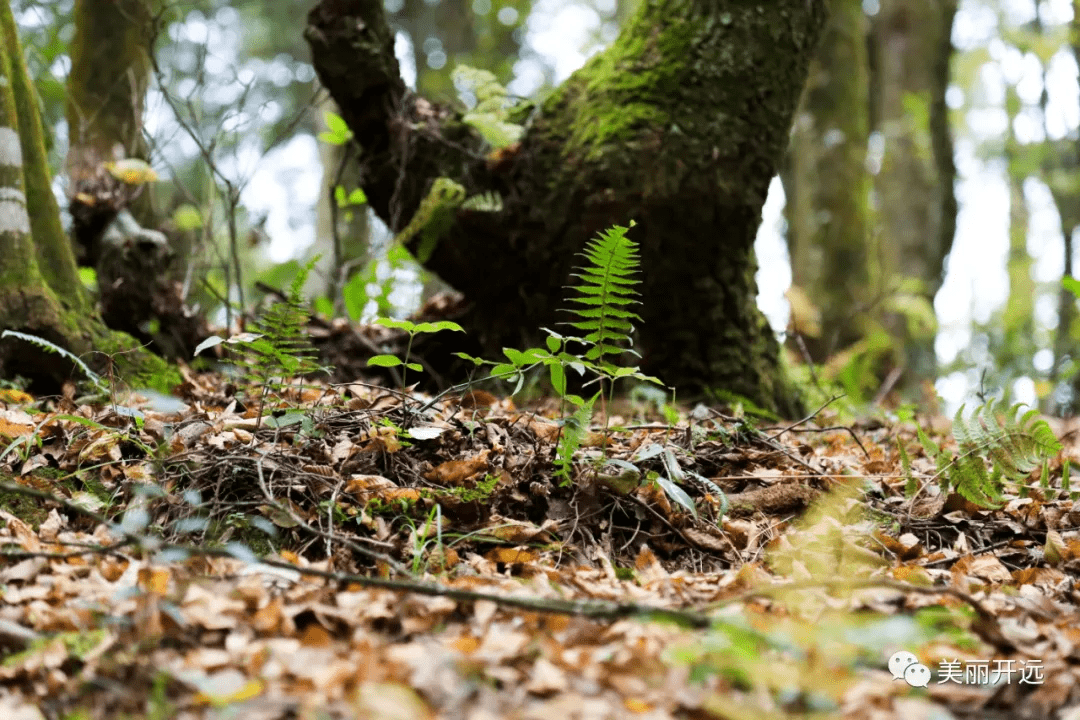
(1013, 446)
(605, 291)
(572, 436)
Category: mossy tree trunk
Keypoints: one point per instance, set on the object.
(915, 187)
(680, 125)
(40, 291)
(827, 185)
(110, 73)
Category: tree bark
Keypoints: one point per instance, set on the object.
(827, 186)
(40, 293)
(110, 72)
(679, 125)
(916, 197)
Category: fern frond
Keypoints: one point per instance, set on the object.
(572, 436)
(54, 348)
(490, 115)
(606, 290)
(490, 202)
(433, 216)
(1013, 445)
(282, 348)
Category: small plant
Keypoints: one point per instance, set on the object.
(605, 291)
(280, 348)
(413, 329)
(574, 429)
(421, 537)
(490, 115)
(436, 212)
(1012, 445)
(348, 200)
(337, 130)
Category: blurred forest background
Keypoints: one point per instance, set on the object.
(917, 237)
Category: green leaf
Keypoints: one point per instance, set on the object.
(676, 493)
(474, 360)
(434, 327)
(516, 357)
(497, 132)
(187, 217)
(324, 306)
(384, 361)
(558, 378)
(357, 197)
(405, 325)
(504, 371)
(355, 296)
(208, 343)
(338, 130)
(534, 355)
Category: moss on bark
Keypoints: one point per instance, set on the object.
(679, 126)
(40, 293)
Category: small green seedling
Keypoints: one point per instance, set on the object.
(413, 329)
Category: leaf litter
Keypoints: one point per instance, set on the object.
(351, 555)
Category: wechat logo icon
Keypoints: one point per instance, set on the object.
(905, 666)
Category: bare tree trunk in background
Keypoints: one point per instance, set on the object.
(827, 185)
(679, 125)
(916, 201)
(110, 74)
(1019, 317)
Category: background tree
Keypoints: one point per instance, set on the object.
(40, 291)
(106, 92)
(679, 125)
(827, 186)
(916, 200)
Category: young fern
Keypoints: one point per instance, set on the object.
(53, 348)
(574, 430)
(279, 348)
(606, 291)
(283, 348)
(1013, 446)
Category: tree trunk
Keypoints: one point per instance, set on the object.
(110, 72)
(40, 293)
(679, 125)
(827, 185)
(916, 198)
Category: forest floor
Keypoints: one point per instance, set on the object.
(356, 554)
